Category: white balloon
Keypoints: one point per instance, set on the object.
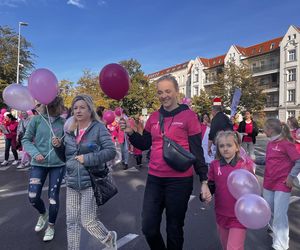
(18, 97)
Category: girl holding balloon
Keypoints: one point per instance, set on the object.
(282, 166)
(232, 233)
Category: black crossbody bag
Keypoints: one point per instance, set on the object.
(175, 155)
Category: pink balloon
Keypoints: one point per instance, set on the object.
(186, 100)
(3, 111)
(109, 117)
(18, 97)
(114, 81)
(252, 211)
(118, 111)
(43, 85)
(241, 182)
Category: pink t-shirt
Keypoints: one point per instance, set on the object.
(280, 159)
(184, 124)
(224, 201)
(248, 130)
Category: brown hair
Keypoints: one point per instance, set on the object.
(228, 133)
(293, 122)
(55, 107)
(279, 128)
(169, 78)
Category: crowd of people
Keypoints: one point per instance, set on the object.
(70, 150)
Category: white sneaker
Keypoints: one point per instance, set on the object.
(49, 234)
(21, 166)
(111, 243)
(15, 163)
(43, 219)
(4, 163)
(27, 164)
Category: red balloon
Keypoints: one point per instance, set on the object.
(114, 81)
(109, 117)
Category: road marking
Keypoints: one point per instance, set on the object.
(123, 241)
(294, 199)
(22, 192)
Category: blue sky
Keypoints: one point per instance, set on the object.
(69, 36)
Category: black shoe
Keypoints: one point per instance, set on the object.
(125, 166)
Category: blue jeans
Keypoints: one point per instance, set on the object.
(124, 151)
(37, 179)
(279, 204)
(171, 194)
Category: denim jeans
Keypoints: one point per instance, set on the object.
(249, 148)
(124, 151)
(279, 204)
(37, 179)
(172, 194)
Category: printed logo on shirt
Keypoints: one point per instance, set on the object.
(177, 123)
(276, 148)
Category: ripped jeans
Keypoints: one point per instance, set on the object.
(37, 179)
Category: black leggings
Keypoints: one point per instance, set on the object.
(7, 147)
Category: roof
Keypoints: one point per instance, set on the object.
(169, 70)
(213, 62)
(260, 48)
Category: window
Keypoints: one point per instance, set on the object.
(291, 113)
(294, 36)
(291, 75)
(262, 64)
(291, 95)
(272, 62)
(196, 76)
(289, 37)
(272, 46)
(183, 79)
(196, 92)
(292, 55)
(253, 65)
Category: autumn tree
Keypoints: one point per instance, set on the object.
(67, 91)
(233, 77)
(202, 102)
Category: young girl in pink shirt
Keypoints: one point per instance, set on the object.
(231, 232)
(282, 166)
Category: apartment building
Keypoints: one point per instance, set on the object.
(182, 74)
(274, 63)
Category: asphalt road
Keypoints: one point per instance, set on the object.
(122, 214)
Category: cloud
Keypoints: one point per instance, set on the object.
(101, 2)
(11, 3)
(76, 3)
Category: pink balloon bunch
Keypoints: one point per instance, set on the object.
(118, 111)
(109, 117)
(18, 97)
(252, 211)
(241, 182)
(114, 81)
(43, 85)
(186, 100)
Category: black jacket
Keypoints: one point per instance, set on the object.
(242, 129)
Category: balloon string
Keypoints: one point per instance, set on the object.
(50, 125)
(44, 119)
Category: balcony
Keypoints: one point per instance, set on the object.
(272, 104)
(266, 67)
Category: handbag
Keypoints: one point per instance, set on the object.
(175, 155)
(103, 186)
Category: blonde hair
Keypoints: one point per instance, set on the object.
(89, 101)
(279, 128)
(226, 134)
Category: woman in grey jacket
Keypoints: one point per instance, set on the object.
(87, 146)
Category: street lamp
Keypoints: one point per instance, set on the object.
(19, 43)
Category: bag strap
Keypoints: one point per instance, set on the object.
(161, 123)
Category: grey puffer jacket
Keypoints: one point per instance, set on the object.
(97, 148)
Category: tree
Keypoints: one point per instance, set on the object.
(9, 55)
(67, 91)
(234, 77)
(201, 103)
(142, 93)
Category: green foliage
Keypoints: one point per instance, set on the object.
(201, 103)
(234, 77)
(67, 92)
(9, 55)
